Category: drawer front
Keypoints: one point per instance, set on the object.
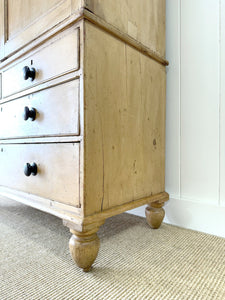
(57, 113)
(57, 170)
(57, 56)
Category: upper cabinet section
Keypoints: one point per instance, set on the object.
(143, 20)
(22, 21)
(23, 13)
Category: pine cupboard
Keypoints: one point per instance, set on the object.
(82, 111)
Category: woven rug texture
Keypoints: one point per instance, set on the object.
(134, 261)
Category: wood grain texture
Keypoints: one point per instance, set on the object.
(43, 86)
(109, 65)
(84, 249)
(129, 40)
(58, 209)
(77, 5)
(124, 123)
(66, 43)
(159, 198)
(154, 214)
(48, 104)
(58, 170)
(27, 19)
(24, 22)
(84, 243)
(84, 13)
(23, 13)
(130, 17)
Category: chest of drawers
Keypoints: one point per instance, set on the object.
(82, 111)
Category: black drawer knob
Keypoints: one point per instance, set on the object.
(28, 73)
(30, 169)
(29, 113)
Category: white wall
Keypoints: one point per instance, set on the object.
(195, 125)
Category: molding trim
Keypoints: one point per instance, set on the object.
(85, 14)
(160, 197)
(72, 214)
(57, 209)
(99, 22)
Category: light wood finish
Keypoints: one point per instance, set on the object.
(124, 37)
(154, 214)
(87, 15)
(43, 86)
(84, 243)
(142, 20)
(48, 104)
(58, 170)
(24, 20)
(84, 249)
(73, 216)
(58, 209)
(66, 43)
(42, 140)
(99, 136)
(124, 123)
(31, 11)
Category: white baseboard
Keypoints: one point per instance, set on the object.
(206, 218)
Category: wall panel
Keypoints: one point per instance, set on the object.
(173, 98)
(200, 100)
(222, 103)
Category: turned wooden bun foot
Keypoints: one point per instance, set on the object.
(154, 214)
(84, 249)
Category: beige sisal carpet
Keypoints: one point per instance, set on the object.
(134, 262)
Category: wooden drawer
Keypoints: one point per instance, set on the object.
(57, 113)
(59, 55)
(58, 170)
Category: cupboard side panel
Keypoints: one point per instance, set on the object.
(124, 122)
